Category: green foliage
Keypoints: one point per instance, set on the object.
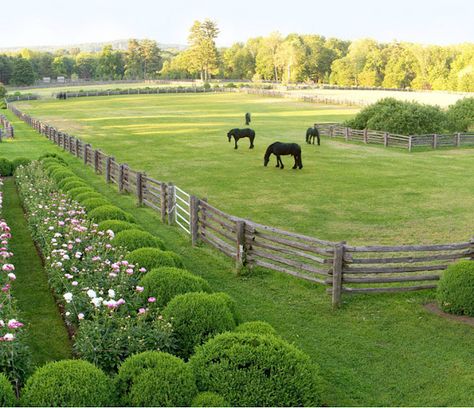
(107, 342)
(394, 116)
(3, 91)
(150, 258)
(60, 174)
(23, 73)
(455, 292)
(73, 184)
(110, 212)
(117, 226)
(20, 161)
(196, 317)
(55, 156)
(66, 180)
(134, 238)
(256, 370)
(166, 282)
(155, 379)
(461, 115)
(209, 399)
(6, 167)
(88, 192)
(256, 327)
(7, 396)
(92, 203)
(68, 383)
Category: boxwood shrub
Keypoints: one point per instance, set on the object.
(73, 184)
(6, 167)
(155, 378)
(209, 399)
(92, 203)
(20, 161)
(150, 258)
(81, 196)
(455, 291)
(117, 226)
(134, 238)
(196, 317)
(110, 212)
(256, 327)
(166, 282)
(66, 180)
(60, 174)
(257, 370)
(68, 383)
(7, 395)
(49, 156)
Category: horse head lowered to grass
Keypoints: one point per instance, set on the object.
(239, 134)
(282, 149)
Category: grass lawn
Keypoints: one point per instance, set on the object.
(47, 337)
(375, 350)
(362, 194)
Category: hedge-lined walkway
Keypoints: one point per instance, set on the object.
(47, 336)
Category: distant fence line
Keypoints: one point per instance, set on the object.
(434, 141)
(345, 268)
(16, 98)
(8, 130)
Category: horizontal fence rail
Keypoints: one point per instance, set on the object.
(345, 268)
(434, 141)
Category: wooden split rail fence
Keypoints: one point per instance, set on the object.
(434, 141)
(6, 128)
(345, 268)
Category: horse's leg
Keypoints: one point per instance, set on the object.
(296, 161)
(281, 163)
(251, 143)
(300, 161)
(278, 160)
(235, 141)
(319, 140)
(314, 137)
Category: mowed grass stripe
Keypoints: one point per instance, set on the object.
(47, 336)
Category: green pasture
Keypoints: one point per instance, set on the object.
(362, 194)
(377, 350)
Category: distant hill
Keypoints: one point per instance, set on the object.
(89, 47)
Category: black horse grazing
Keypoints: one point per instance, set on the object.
(312, 133)
(282, 149)
(247, 119)
(239, 134)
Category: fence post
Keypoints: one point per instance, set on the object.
(410, 143)
(163, 201)
(120, 177)
(458, 139)
(108, 163)
(171, 203)
(71, 138)
(86, 148)
(338, 263)
(77, 147)
(366, 139)
(240, 235)
(435, 141)
(385, 139)
(194, 219)
(140, 188)
(472, 249)
(96, 161)
(346, 134)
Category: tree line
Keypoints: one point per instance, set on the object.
(294, 58)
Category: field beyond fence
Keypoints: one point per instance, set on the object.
(345, 268)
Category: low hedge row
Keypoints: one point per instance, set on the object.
(8, 167)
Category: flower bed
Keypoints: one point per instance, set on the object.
(14, 354)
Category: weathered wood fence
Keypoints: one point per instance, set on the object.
(6, 128)
(345, 268)
(434, 141)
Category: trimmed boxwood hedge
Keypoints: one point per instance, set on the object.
(110, 212)
(63, 182)
(20, 161)
(51, 156)
(6, 167)
(150, 258)
(196, 317)
(92, 203)
(455, 292)
(7, 395)
(117, 226)
(209, 399)
(73, 184)
(132, 239)
(60, 174)
(257, 370)
(166, 282)
(155, 378)
(256, 327)
(74, 193)
(68, 383)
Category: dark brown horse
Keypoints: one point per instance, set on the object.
(239, 134)
(282, 149)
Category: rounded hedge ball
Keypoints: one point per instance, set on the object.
(110, 212)
(256, 327)
(68, 383)
(209, 399)
(132, 239)
(257, 370)
(455, 292)
(154, 378)
(150, 258)
(117, 226)
(7, 395)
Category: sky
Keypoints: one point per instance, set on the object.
(60, 22)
